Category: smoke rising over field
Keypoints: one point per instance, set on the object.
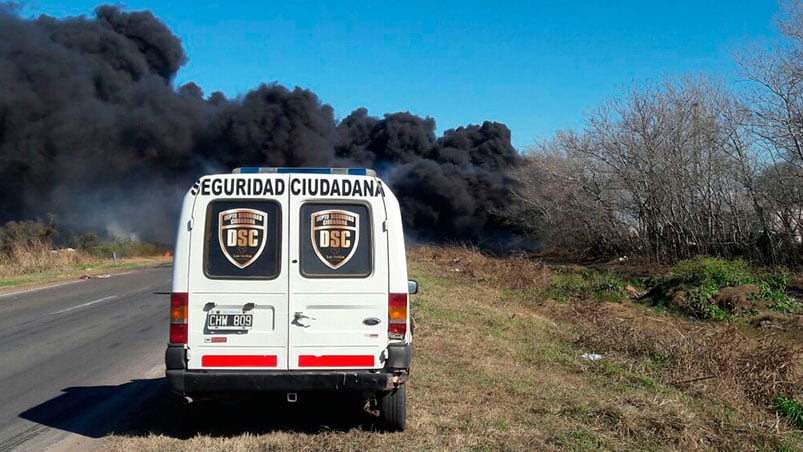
(92, 129)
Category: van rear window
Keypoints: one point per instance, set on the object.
(242, 239)
(336, 240)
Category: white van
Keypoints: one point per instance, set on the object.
(291, 280)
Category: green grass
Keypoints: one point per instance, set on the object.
(713, 272)
(600, 286)
(38, 278)
(580, 439)
(790, 409)
(701, 278)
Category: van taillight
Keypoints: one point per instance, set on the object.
(178, 317)
(397, 315)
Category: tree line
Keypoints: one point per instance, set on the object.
(671, 170)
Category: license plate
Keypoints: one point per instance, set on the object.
(229, 321)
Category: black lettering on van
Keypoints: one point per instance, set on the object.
(332, 187)
(255, 186)
(242, 187)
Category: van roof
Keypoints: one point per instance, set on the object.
(349, 171)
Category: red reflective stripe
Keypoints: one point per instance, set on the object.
(238, 361)
(336, 361)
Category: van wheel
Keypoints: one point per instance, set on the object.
(393, 409)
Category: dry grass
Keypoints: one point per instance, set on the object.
(496, 367)
(725, 362)
(514, 272)
(37, 263)
(39, 257)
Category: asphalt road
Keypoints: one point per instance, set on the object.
(85, 360)
(77, 358)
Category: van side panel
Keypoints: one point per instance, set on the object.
(396, 252)
(397, 258)
(181, 253)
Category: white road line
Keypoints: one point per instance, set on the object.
(99, 300)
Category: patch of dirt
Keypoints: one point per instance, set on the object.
(632, 292)
(739, 299)
(778, 321)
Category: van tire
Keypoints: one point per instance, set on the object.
(393, 409)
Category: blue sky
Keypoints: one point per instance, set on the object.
(537, 66)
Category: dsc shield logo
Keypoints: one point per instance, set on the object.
(242, 234)
(335, 236)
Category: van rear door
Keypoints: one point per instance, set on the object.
(338, 272)
(238, 275)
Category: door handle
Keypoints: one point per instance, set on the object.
(298, 319)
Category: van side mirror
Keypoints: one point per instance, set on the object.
(412, 287)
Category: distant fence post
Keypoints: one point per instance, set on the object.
(114, 256)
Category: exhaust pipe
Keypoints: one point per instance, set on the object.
(292, 397)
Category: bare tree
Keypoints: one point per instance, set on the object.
(671, 170)
(565, 203)
(776, 101)
(657, 172)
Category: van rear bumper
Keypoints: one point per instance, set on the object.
(190, 382)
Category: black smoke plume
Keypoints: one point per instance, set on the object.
(92, 130)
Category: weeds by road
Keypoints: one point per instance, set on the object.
(37, 263)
